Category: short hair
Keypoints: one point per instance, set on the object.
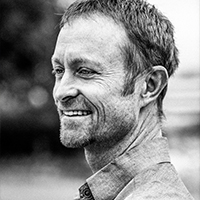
(150, 34)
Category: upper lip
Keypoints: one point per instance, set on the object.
(75, 110)
(75, 107)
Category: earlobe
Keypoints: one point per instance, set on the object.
(154, 84)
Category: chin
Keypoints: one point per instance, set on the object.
(74, 139)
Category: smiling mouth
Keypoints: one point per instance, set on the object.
(77, 113)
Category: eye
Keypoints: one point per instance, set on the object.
(85, 72)
(58, 71)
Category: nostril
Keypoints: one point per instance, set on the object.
(64, 99)
(64, 92)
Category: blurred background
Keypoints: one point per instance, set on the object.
(33, 163)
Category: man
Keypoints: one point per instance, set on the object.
(112, 62)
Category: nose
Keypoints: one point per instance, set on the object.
(64, 90)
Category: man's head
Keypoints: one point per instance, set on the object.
(150, 40)
(111, 60)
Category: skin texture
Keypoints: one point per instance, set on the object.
(90, 77)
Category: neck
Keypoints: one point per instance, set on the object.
(147, 128)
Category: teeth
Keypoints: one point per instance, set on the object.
(70, 113)
(76, 113)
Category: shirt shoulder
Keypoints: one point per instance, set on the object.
(160, 182)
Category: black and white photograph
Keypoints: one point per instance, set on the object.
(99, 100)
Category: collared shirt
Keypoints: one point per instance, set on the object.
(141, 173)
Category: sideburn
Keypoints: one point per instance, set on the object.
(133, 66)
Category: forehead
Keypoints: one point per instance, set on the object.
(98, 25)
(91, 34)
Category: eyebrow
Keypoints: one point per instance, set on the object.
(76, 61)
(55, 60)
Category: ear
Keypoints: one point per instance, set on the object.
(154, 84)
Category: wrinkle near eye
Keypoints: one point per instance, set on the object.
(107, 82)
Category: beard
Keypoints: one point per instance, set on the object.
(76, 132)
(73, 135)
(106, 125)
(76, 135)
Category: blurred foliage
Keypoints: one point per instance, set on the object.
(28, 31)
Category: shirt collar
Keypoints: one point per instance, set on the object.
(111, 179)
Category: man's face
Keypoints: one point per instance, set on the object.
(89, 70)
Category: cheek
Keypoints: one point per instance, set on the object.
(124, 108)
(116, 111)
(116, 123)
